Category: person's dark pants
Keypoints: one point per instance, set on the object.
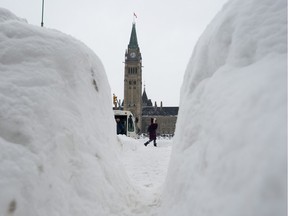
(146, 143)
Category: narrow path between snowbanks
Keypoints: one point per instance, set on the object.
(147, 169)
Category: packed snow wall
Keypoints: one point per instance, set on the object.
(57, 131)
(229, 151)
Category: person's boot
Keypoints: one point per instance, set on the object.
(155, 144)
(146, 143)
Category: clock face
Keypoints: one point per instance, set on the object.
(132, 54)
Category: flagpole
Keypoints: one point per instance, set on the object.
(42, 23)
(134, 16)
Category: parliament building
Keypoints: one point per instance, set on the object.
(137, 101)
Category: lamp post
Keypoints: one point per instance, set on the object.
(42, 24)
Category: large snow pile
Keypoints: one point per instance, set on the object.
(57, 132)
(229, 152)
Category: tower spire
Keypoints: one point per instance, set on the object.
(133, 43)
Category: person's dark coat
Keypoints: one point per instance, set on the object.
(152, 131)
(120, 128)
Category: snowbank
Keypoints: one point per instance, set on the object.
(57, 132)
(229, 152)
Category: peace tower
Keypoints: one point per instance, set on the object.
(133, 79)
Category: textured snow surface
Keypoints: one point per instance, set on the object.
(229, 152)
(57, 132)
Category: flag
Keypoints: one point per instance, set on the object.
(135, 15)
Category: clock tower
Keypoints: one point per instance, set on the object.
(133, 79)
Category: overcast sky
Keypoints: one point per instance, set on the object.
(167, 32)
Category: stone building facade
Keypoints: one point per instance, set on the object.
(138, 103)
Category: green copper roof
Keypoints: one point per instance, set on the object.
(133, 44)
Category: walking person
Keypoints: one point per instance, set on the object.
(152, 132)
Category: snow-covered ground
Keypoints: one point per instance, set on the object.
(147, 169)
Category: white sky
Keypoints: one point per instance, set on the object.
(167, 32)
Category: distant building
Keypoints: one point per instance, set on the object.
(138, 103)
(133, 78)
(166, 116)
